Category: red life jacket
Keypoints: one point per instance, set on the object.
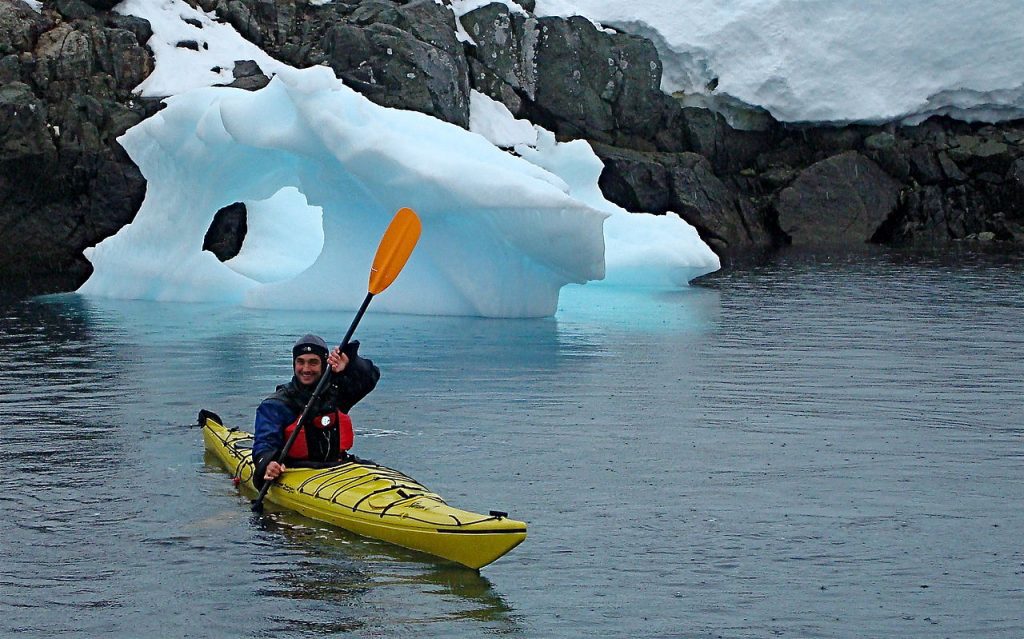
(336, 420)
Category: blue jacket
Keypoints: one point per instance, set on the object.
(271, 418)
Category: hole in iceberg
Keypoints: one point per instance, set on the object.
(284, 235)
(226, 232)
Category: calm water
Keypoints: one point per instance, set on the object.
(807, 448)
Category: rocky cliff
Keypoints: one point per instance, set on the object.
(67, 74)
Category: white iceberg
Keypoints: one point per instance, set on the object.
(322, 169)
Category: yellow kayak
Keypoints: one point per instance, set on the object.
(373, 501)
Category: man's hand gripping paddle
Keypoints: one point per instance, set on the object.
(395, 248)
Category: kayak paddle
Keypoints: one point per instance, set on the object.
(393, 252)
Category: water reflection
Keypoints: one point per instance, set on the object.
(617, 310)
(332, 565)
(237, 336)
(56, 380)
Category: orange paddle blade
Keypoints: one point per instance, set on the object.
(395, 248)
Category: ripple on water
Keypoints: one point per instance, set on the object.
(804, 448)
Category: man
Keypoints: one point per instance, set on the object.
(327, 434)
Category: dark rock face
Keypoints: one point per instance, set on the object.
(928, 185)
(248, 76)
(66, 95)
(103, 5)
(729, 150)
(686, 184)
(402, 56)
(398, 54)
(841, 200)
(963, 184)
(569, 76)
(23, 124)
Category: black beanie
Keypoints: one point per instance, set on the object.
(310, 344)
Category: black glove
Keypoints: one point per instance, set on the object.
(352, 349)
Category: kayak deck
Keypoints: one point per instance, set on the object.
(373, 501)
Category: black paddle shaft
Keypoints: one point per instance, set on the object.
(257, 504)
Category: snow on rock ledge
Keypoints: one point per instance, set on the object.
(834, 61)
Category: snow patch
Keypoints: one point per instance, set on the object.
(494, 121)
(870, 61)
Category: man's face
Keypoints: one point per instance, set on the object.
(308, 368)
